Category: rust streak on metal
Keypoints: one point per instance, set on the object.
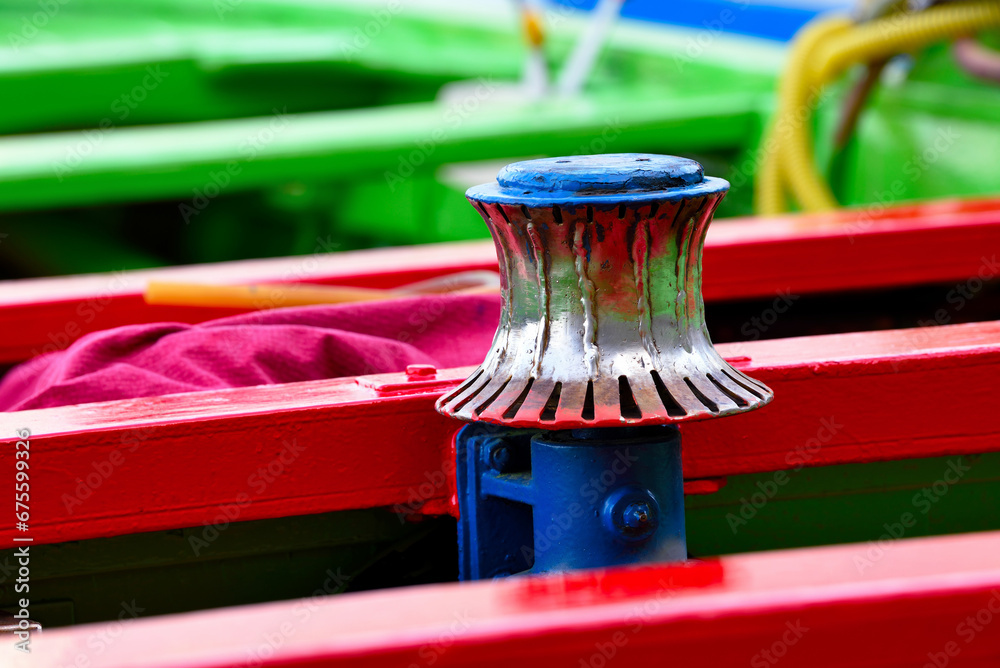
(591, 353)
(544, 297)
(640, 266)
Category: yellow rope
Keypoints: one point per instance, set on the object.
(770, 182)
(822, 51)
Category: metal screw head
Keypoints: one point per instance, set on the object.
(632, 513)
(500, 458)
(637, 516)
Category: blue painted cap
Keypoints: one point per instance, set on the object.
(609, 176)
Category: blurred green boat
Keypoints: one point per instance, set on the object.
(179, 131)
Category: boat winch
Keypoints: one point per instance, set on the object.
(573, 457)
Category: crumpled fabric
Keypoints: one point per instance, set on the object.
(266, 347)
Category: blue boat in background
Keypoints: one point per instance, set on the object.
(769, 20)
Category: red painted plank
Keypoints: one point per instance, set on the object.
(932, 601)
(934, 242)
(242, 454)
(185, 460)
(41, 315)
(937, 242)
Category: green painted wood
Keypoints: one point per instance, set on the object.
(364, 134)
(846, 504)
(230, 564)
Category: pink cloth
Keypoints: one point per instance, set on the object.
(279, 346)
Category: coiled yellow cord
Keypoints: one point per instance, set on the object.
(769, 185)
(823, 50)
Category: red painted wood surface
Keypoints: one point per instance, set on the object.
(41, 315)
(930, 243)
(935, 242)
(274, 451)
(924, 602)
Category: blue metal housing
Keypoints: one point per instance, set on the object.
(539, 501)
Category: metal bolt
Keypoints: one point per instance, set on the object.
(632, 514)
(500, 458)
(637, 516)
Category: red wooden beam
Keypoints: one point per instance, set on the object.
(46, 314)
(944, 241)
(924, 602)
(274, 451)
(934, 242)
